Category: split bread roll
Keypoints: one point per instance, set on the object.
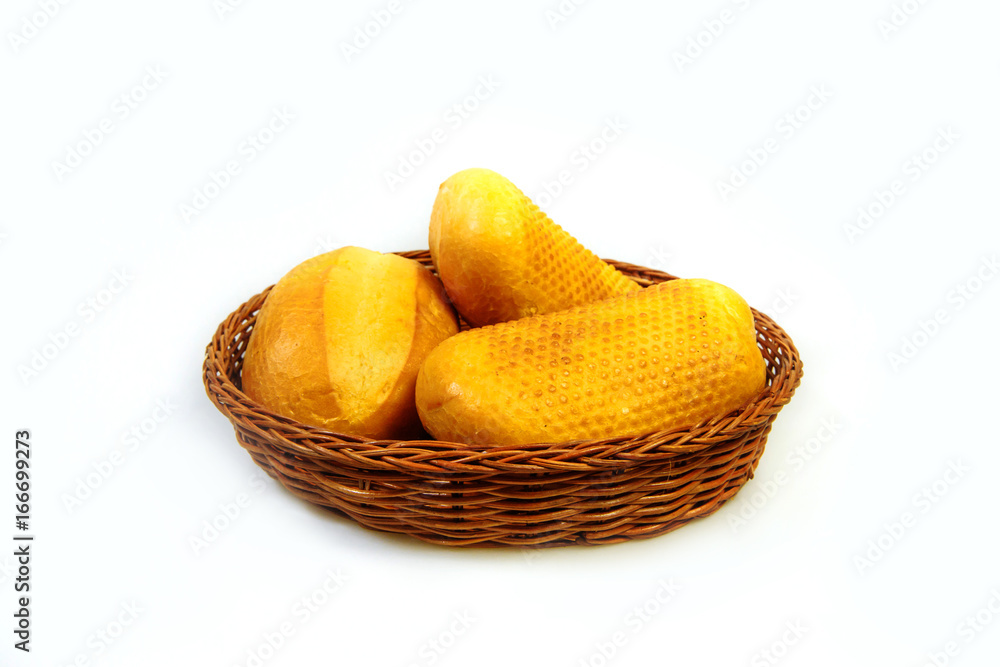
(339, 340)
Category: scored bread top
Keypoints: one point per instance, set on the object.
(501, 258)
(669, 356)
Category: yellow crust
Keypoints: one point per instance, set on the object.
(340, 339)
(501, 258)
(669, 356)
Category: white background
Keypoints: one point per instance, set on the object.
(817, 545)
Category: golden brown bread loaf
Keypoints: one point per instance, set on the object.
(501, 258)
(669, 356)
(340, 338)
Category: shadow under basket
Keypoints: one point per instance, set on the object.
(582, 492)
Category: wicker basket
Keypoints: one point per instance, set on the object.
(584, 492)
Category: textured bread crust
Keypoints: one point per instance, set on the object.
(340, 339)
(669, 356)
(501, 258)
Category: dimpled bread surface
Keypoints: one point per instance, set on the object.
(339, 340)
(501, 258)
(670, 356)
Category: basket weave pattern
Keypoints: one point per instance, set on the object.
(582, 492)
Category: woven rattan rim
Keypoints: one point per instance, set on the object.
(307, 458)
